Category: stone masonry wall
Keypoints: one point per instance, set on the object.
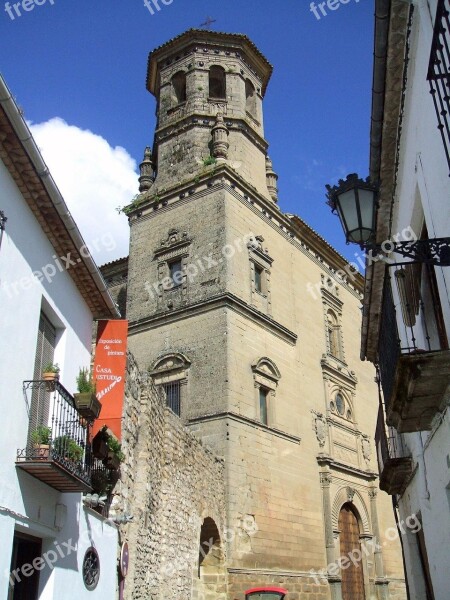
(170, 483)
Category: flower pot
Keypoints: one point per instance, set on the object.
(41, 451)
(87, 405)
(50, 379)
(111, 461)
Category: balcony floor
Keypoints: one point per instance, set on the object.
(54, 474)
(421, 390)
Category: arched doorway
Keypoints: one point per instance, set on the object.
(352, 573)
(210, 576)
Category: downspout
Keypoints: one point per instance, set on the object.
(25, 137)
(382, 12)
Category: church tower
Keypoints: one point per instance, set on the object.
(249, 321)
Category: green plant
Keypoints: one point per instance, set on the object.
(85, 384)
(210, 160)
(116, 448)
(51, 368)
(66, 447)
(200, 88)
(41, 435)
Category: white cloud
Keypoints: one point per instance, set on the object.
(94, 179)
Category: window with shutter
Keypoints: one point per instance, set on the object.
(45, 350)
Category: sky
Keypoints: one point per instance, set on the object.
(77, 70)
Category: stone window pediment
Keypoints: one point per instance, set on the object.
(174, 363)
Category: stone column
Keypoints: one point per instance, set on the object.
(334, 580)
(380, 578)
(220, 138)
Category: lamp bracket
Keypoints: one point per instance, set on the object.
(431, 252)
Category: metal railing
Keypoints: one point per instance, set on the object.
(439, 72)
(388, 442)
(173, 396)
(62, 435)
(411, 325)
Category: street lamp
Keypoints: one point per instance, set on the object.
(355, 201)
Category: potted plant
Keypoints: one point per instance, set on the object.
(50, 374)
(41, 437)
(100, 443)
(67, 448)
(115, 455)
(86, 401)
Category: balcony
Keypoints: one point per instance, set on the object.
(58, 454)
(413, 356)
(394, 462)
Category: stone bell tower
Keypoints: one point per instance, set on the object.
(209, 89)
(235, 309)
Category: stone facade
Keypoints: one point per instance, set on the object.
(170, 484)
(254, 320)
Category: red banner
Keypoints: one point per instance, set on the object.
(109, 373)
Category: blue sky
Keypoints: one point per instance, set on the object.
(85, 64)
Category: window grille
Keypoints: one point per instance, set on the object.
(173, 396)
(439, 72)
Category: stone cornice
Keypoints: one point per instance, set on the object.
(387, 104)
(291, 227)
(217, 302)
(326, 460)
(245, 421)
(185, 44)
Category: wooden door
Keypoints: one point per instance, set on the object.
(352, 576)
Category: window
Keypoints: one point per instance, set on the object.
(45, 350)
(258, 278)
(250, 98)
(173, 396)
(334, 333)
(179, 87)
(263, 394)
(176, 272)
(170, 374)
(266, 377)
(91, 569)
(340, 405)
(217, 83)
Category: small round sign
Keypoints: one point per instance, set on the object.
(124, 557)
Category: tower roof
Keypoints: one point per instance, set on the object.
(182, 41)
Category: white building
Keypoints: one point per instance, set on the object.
(51, 291)
(406, 323)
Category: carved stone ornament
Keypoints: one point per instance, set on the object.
(320, 427)
(366, 448)
(350, 494)
(326, 478)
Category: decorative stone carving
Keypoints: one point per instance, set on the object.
(366, 448)
(220, 134)
(350, 494)
(320, 427)
(146, 169)
(325, 478)
(271, 178)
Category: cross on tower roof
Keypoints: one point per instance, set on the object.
(208, 22)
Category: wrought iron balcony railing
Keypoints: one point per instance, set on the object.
(413, 354)
(439, 72)
(58, 451)
(394, 460)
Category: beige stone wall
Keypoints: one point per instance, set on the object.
(272, 473)
(170, 484)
